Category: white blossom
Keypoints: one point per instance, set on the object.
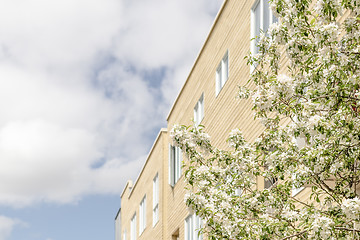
(351, 208)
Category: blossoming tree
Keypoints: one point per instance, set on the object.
(310, 108)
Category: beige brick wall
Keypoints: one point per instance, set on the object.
(223, 112)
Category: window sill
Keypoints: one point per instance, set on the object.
(142, 232)
(154, 224)
(173, 186)
(217, 93)
(297, 191)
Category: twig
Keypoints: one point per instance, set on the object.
(347, 229)
(295, 235)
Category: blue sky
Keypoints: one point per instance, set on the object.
(85, 87)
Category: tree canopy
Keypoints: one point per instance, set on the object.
(310, 109)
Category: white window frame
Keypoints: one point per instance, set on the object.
(301, 142)
(175, 161)
(199, 110)
(222, 73)
(295, 190)
(193, 224)
(142, 215)
(268, 183)
(124, 234)
(263, 11)
(133, 228)
(155, 199)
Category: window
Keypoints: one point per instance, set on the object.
(269, 182)
(124, 234)
(192, 227)
(222, 73)
(156, 199)
(133, 228)
(142, 215)
(199, 111)
(301, 142)
(238, 191)
(175, 157)
(261, 18)
(296, 190)
(118, 226)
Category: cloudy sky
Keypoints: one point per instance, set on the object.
(85, 87)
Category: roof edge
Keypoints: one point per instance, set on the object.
(118, 214)
(198, 56)
(162, 130)
(128, 183)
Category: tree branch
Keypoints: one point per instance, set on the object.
(347, 229)
(295, 235)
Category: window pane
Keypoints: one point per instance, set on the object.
(191, 229)
(225, 69)
(187, 237)
(133, 228)
(156, 190)
(257, 13)
(201, 108)
(257, 24)
(269, 182)
(193, 224)
(199, 111)
(177, 164)
(155, 215)
(274, 19)
(171, 165)
(180, 162)
(218, 79)
(196, 117)
(175, 156)
(142, 215)
(266, 16)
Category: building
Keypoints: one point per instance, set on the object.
(153, 207)
(143, 205)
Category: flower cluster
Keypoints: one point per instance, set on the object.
(351, 208)
(321, 227)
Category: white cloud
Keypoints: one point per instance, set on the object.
(76, 93)
(42, 157)
(57, 34)
(164, 33)
(6, 226)
(109, 173)
(52, 134)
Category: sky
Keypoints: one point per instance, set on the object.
(86, 86)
